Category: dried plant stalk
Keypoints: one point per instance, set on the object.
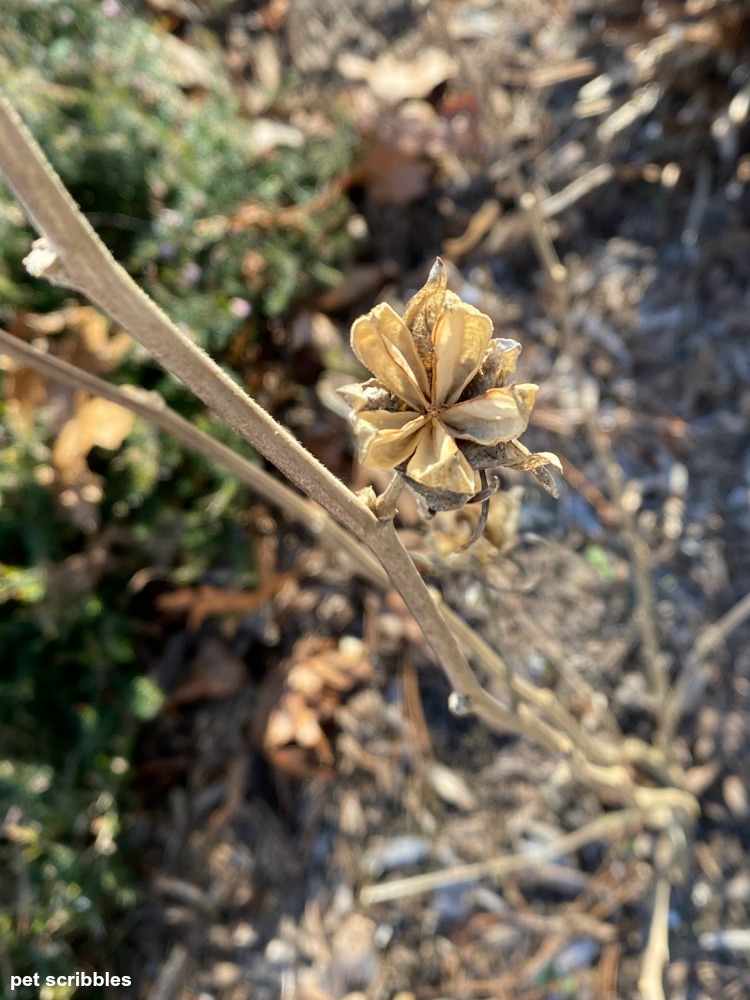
(72, 255)
(536, 713)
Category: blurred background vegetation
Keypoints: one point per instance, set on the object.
(159, 159)
(264, 168)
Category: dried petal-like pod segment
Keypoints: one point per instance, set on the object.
(423, 309)
(440, 408)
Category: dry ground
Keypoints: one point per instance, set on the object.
(628, 122)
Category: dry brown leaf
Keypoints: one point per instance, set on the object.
(272, 15)
(78, 422)
(307, 731)
(415, 128)
(96, 422)
(255, 215)
(29, 325)
(279, 730)
(329, 669)
(205, 601)
(82, 335)
(295, 762)
(214, 673)
(25, 392)
(391, 176)
(269, 133)
(90, 325)
(295, 723)
(393, 80)
(320, 673)
(89, 343)
(187, 66)
(306, 680)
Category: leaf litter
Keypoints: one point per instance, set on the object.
(259, 826)
(547, 584)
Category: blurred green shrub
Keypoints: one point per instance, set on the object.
(153, 165)
(159, 170)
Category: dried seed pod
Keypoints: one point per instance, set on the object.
(440, 408)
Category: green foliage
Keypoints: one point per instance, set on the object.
(72, 688)
(66, 741)
(598, 557)
(158, 171)
(64, 875)
(155, 168)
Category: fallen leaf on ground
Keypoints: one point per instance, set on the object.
(214, 673)
(25, 392)
(205, 601)
(393, 80)
(95, 423)
(321, 672)
(392, 177)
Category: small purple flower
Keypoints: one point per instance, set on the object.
(170, 217)
(190, 275)
(240, 308)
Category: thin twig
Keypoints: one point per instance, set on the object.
(656, 955)
(688, 683)
(629, 750)
(168, 982)
(152, 407)
(640, 556)
(543, 719)
(72, 255)
(606, 827)
(555, 204)
(75, 257)
(385, 504)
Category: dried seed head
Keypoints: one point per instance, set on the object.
(440, 407)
